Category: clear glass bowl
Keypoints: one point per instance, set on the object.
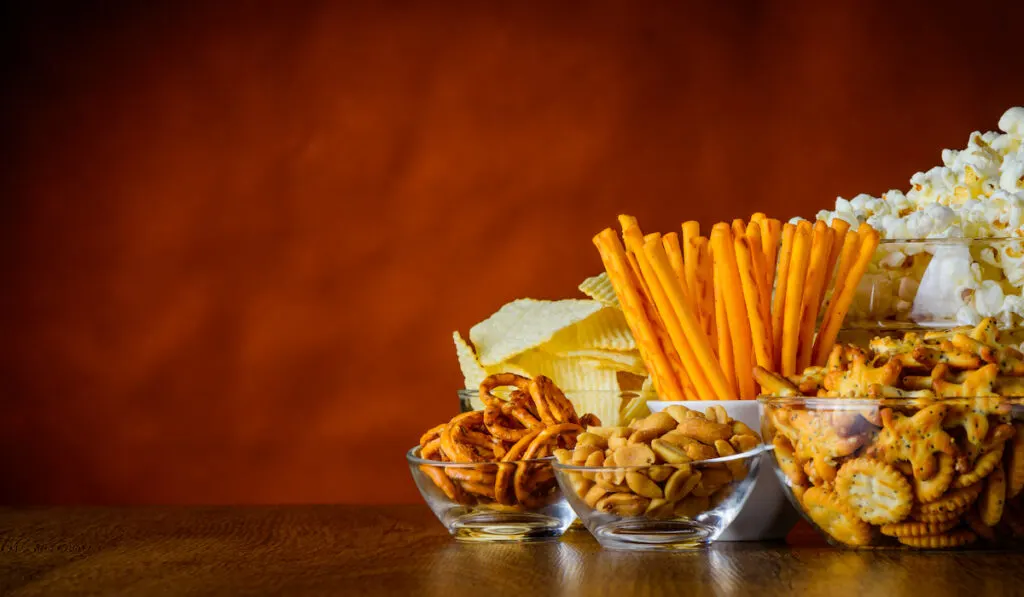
(620, 507)
(492, 501)
(902, 473)
(613, 407)
(942, 282)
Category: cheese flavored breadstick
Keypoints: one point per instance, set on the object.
(779, 300)
(705, 288)
(691, 230)
(751, 295)
(839, 229)
(764, 293)
(771, 232)
(722, 331)
(627, 289)
(842, 297)
(739, 326)
(821, 248)
(675, 255)
(703, 356)
(794, 296)
(660, 287)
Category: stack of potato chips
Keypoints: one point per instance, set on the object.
(584, 346)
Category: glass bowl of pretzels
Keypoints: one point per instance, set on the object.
(912, 442)
(671, 481)
(487, 474)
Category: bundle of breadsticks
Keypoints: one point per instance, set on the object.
(706, 310)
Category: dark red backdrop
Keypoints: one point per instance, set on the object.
(236, 240)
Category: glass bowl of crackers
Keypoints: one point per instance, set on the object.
(673, 480)
(913, 442)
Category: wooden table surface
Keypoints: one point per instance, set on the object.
(403, 550)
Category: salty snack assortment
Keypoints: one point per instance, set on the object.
(671, 480)
(703, 311)
(968, 215)
(914, 441)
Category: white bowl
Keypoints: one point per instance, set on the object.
(767, 513)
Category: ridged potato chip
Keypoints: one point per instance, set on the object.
(600, 289)
(472, 371)
(567, 373)
(605, 330)
(524, 324)
(606, 359)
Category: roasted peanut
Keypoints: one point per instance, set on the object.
(743, 443)
(669, 452)
(642, 485)
(623, 504)
(662, 422)
(681, 483)
(691, 506)
(659, 509)
(634, 455)
(717, 414)
(711, 481)
(677, 412)
(737, 468)
(643, 436)
(594, 494)
(580, 454)
(660, 472)
(704, 431)
(589, 438)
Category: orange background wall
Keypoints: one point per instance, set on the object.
(236, 239)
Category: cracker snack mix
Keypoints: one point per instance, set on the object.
(653, 467)
(916, 441)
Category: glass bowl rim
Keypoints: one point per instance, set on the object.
(842, 403)
(413, 457)
(757, 451)
(476, 392)
(949, 240)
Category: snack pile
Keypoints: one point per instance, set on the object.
(507, 438)
(960, 276)
(932, 457)
(703, 311)
(644, 469)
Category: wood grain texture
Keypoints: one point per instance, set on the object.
(403, 550)
(237, 236)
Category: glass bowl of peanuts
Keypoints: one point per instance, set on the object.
(915, 473)
(673, 480)
(509, 501)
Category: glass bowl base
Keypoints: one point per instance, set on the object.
(491, 527)
(654, 535)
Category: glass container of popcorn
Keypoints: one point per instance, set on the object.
(912, 473)
(940, 283)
